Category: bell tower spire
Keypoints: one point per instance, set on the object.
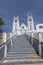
(15, 24)
(30, 23)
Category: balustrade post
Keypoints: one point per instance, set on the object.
(4, 40)
(40, 37)
(32, 38)
(11, 38)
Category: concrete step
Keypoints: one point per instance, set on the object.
(15, 56)
(21, 52)
(23, 62)
(22, 55)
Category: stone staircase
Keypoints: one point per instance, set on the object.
(21, 51)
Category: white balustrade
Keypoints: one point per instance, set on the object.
(32, 38)
(4, 40)
(40, 39)
(4, 37)
(11, 38)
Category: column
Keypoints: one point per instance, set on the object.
(40, 49)
(4, 40)
(32, 38)
(11, 38)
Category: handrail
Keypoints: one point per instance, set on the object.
(6, 41)
(2, 45)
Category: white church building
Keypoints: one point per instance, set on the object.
(23, 28)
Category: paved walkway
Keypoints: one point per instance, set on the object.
(22, 53)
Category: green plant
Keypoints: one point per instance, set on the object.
(1, 24)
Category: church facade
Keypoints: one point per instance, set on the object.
(23, 28)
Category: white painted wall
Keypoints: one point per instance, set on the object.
(38, 27)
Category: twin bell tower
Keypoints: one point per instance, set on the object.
(23, 28)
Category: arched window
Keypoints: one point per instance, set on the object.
(30, 19)
(22, 27)
(40, 26)
(15, 20)
(30, 27)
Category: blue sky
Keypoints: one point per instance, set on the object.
(21, 8)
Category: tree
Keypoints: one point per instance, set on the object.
(1, 24)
